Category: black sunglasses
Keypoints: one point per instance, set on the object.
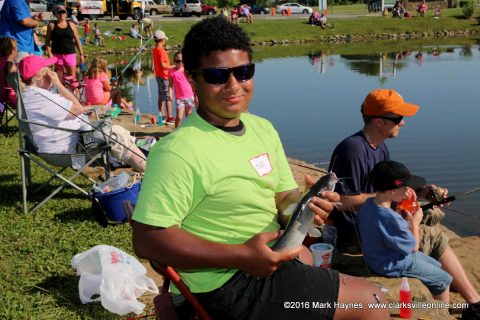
(395, 120)
(219, 75)
(178, 61)
(61, 12)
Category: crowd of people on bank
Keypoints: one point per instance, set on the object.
(216, 213)
(399, 10)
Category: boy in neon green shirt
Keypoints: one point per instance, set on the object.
(209, 200)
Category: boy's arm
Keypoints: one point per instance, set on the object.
(414, 220)
(170, 86)
(178, 248)
(166, 66)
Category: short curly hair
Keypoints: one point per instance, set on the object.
(212, 34)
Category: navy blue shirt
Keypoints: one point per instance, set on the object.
(353, 159)
(387, 242)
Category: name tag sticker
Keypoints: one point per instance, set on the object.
(262, 164)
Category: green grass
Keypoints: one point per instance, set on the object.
(37, 281)
(297, 29)
(348, 9)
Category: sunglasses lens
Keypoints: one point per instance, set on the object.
(220, 75)
(397, 120)
(216, 75)
(244, 73)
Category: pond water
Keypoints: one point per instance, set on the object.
(313, 99)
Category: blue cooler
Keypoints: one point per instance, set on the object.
(112, 202)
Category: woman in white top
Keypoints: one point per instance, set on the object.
(63, 110)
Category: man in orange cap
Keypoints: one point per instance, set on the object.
(382, 111)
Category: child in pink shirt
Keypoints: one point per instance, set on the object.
(184, 96)
(97, 86)
(8, 51)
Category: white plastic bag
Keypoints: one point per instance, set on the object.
(117, 277)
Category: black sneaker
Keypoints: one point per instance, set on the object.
(472, 312)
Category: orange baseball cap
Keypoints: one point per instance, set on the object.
(383, 101)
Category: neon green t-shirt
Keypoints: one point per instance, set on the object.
(215, 185)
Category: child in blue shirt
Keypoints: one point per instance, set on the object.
(389, 241)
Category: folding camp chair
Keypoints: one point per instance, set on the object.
(55, 164)
(164, 309)
(7, 114)
(8, 110)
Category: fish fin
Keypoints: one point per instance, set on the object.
(290, 209)
(314, 232)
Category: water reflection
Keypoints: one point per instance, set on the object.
(319, 59)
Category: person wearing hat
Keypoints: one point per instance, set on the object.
(390, 241)
(73, 17)
(383, 112)
(147, 26)
(16, 23)
(63, 110)
(60, 41)
(161, 64)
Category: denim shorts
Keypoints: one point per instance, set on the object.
(162, 85)
(294, 291)
(429, 271)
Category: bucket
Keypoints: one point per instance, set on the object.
(112, 202)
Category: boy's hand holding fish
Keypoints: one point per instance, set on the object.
(312, 209)
(259, 260)
(323, 205)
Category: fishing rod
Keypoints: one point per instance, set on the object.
(450, 199)
(139, 51)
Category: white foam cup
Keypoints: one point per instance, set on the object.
(322, 255)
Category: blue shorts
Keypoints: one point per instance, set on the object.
(429, 271)
(162, 85)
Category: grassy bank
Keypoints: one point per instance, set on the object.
(296, 29)
(36, 280)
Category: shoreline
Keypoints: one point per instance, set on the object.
(327, 39)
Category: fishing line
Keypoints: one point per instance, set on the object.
(463, 194)
(94, 127)
(140, 50)
(459, 212)
(450, 199)
(357, 233)
(309, 166)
